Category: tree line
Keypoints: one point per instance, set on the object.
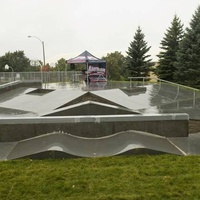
(178, 60)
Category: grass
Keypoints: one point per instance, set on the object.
(113, 178)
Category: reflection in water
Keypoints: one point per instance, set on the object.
(63, 85)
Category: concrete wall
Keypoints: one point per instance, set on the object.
(168, 125)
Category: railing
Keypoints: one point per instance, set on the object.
(176, 88)
(44, 77)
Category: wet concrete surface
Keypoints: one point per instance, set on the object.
(156, 99)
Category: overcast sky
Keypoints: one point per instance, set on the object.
(68, 27)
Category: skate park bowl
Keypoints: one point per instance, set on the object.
(77, 120)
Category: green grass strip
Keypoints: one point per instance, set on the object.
(141, 177)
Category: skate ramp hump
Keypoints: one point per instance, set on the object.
(117, 144)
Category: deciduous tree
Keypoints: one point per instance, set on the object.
(115, 65)
(17, 60)
(61, 65)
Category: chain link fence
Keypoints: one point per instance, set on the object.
(44, 77)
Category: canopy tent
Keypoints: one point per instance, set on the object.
(85, 57)
(93, 64)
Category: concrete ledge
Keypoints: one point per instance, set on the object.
(93, 118)
(167, 125)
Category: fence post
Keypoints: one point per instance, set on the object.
(194, 97)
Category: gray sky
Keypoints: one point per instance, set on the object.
(68, 27)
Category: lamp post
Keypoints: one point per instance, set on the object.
(7, 67)
(42, 49)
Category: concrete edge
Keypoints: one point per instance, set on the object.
(94, 118)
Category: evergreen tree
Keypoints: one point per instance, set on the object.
(188, 65)
(170, 45)
(137, 60)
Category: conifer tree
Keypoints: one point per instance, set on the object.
(169, 45)
(188, 65)
(138, 64)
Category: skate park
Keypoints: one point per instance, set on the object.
(79, 120)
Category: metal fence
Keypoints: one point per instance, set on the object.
(44, 77)
(179, 91)
(168, 89)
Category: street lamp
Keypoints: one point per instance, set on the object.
(42, 51)
(42, 47)
(7, 67)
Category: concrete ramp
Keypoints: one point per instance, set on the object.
(117, 144)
